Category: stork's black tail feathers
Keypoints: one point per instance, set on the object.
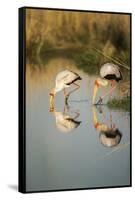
(77, 78)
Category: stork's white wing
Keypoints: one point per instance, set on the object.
(110, 68)
(66, 77)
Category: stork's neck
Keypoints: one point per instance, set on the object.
(102, 82)
(58, 89)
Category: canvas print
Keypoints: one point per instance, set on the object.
(77, 83)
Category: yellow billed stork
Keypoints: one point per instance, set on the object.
(110, 74)
(64, 79)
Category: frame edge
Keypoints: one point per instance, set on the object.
(21, 103)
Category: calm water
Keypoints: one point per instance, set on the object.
(75, 156)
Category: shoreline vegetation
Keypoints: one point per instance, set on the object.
(56, 30)
(123, 103)
(89, 39)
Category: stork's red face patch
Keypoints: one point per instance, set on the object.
(51, 94)
(96, 83)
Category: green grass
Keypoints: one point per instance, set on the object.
(123, 104)
(88, 61)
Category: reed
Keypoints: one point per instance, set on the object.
(48, 29)
(122, 104)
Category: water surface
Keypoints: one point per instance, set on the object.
(62, 158)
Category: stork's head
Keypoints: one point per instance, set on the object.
(52, 95)
(98, 82)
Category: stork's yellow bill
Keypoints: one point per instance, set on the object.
(51, 103)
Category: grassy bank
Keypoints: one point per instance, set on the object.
(50, 30)
(88, 61)
(123, 104)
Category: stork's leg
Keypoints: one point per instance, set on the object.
(64, 92)
(106, 94)
(110, 91)
(112, 125)
(66, 108)
(77, 114)
(112, 86)
(110, 120)
(65, 97)
(76, 88)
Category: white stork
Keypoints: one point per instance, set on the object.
(110, 74)
(64, 79)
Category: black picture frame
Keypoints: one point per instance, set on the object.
(22, 100)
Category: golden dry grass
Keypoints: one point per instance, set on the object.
(47, 29)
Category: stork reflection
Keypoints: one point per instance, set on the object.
(67, 120)
(109, 134)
